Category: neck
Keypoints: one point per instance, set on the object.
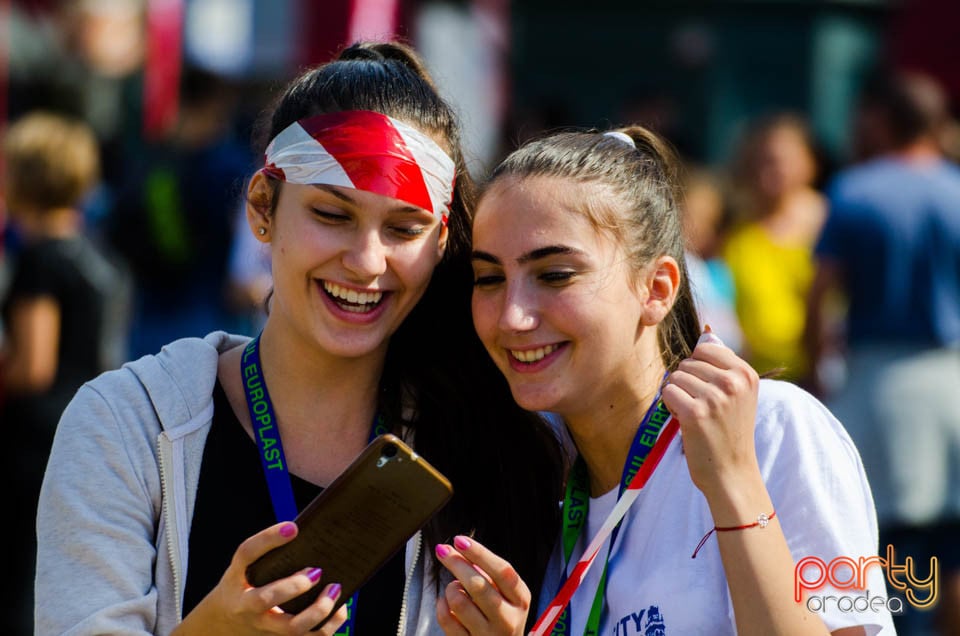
(54, 223)
(921, 150)
(314, 390)
(603, 434)
(783, 203)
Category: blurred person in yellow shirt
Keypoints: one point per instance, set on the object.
(770, 253)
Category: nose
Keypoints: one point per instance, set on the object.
(519, 311)
(366, 256)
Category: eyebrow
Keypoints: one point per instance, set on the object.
(336, 192)
(533, 255)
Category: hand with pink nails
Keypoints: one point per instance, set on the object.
(234, 607)
(487, 596)
(713, 394)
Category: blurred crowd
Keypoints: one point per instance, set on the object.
(842, 275)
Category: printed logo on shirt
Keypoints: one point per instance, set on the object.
(846, 573)
(646, 622)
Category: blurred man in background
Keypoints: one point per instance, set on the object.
(891, 245)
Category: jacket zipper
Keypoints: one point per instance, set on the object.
(402, 623)
(168, 503)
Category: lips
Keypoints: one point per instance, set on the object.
(533, 359)
(352, 300)
(533, 355)
(366, 308)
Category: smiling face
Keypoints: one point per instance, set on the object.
(555, 301)
(348, 265)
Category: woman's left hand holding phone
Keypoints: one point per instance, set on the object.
(235, 607)
(487, 596)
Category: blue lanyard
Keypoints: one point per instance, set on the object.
(274, 463)
(576, 504)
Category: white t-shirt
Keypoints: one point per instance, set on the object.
(823, 501)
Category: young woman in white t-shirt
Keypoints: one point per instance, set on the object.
(582, 299)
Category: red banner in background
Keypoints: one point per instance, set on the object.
(161, 73)
(326, 27)
(373, 20)
(5, 35)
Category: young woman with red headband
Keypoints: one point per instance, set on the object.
(581, 298)
(155, 500)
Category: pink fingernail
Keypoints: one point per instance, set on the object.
(334, 591)
(442, 551)
(314, 575)
(288, 529)
(462, 543)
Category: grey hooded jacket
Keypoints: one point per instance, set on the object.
(118, 495)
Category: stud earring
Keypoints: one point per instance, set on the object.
(262, 231)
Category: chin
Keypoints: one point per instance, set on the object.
(534, 400)
(353, 347)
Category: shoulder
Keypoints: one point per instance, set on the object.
(950, 168)
(778, 396)
(176, 383)
(795, 426)
(864, 172)
(123, 411)
(811, 465)
(744, 232)
(947, 174)
(857, 179)
(817, 485)
(741, 244)
(784, 405)
(32, 258)
(809, 462)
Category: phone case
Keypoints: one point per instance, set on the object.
(359, 521)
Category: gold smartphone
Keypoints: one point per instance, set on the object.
(359, 521)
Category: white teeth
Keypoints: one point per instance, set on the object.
(533, 355)
(352, 295)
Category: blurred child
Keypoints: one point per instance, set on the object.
(63, 315)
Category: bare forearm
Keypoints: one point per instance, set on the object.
(759, 566)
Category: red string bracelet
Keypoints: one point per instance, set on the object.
(762, 520)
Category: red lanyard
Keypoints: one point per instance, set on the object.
(553, 611)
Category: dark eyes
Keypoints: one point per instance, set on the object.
(405, 231)
(561, 276)
(487, 281)
(330, 216)
(549, 278)
(411, 232)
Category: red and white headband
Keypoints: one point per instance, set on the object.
(367, 151)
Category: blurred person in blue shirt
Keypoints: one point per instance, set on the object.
(173, 220)
(891, 245)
